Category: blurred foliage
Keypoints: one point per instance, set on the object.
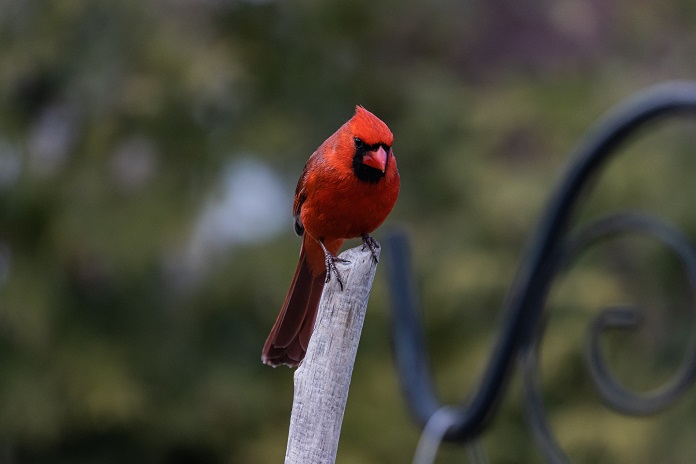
(126, 337)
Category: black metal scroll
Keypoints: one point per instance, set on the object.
(550, 250)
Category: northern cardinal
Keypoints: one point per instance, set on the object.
(346, 190)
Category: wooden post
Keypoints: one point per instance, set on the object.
(323, 378)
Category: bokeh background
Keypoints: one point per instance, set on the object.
(148, 156)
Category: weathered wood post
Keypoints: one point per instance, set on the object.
(323, 378)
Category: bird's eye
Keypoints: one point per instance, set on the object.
(358, 143)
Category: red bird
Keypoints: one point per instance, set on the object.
(347, 189)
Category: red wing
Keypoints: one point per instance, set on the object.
(300, 197)
(301, 194)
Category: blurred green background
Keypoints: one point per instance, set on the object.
(148, 155)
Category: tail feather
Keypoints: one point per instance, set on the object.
(287, 343)
(316, 289)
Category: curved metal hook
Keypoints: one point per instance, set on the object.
(611, 391)
(525, 301)
(613, 394)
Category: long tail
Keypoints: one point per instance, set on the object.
(287, 343)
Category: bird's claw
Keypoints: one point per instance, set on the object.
(372, 244)
(331, 261)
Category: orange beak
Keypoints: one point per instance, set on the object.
(376, 159)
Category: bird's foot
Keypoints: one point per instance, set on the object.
(372, 244)
(331, 261)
